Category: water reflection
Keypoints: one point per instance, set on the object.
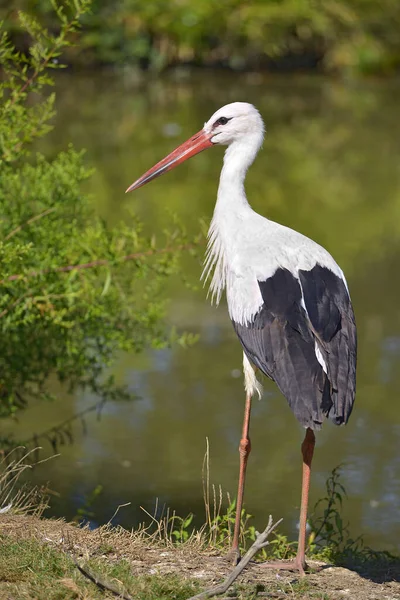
(329, 168)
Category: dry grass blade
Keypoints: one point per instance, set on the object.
(117, 511)
(206, 483)
(17, 498)
(170, 529)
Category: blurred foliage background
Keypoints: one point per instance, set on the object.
(343, 36)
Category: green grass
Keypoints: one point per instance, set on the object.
(31, 570)
(35, 569)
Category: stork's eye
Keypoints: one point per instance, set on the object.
(221, 121)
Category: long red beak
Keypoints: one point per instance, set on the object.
(197, 143)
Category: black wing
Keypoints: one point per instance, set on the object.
(282, 338)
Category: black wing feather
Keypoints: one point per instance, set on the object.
(332, 319)
(281, 339)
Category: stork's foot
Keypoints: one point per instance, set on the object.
(296, 564)
(234, 556)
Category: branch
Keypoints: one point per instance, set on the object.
(61, 426)
(13, 305)
(29, 222)
(101, 262)
(261, 542)
(105, 587)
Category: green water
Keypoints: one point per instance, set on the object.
(330, 167)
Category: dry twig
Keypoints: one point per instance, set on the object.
(261, 542)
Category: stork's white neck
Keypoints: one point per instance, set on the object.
(238, 158)
(231, 206)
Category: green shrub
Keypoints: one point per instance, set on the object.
(74, 291)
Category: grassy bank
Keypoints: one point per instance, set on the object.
(39, 560)
(170, 559)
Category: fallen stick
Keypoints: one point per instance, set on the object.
(260, 542)
(101, 584)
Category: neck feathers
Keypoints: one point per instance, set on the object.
(215, 261)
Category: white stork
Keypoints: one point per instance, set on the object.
(287, 298)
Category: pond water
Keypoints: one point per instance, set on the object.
(330, 169)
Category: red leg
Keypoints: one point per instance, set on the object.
(299, 563)
(244, 451)
(307, 449)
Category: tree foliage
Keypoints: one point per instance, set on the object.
(75, 292)
(344, 35)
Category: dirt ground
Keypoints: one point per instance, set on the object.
(148, 557)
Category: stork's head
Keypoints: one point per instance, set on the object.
(236, 122)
